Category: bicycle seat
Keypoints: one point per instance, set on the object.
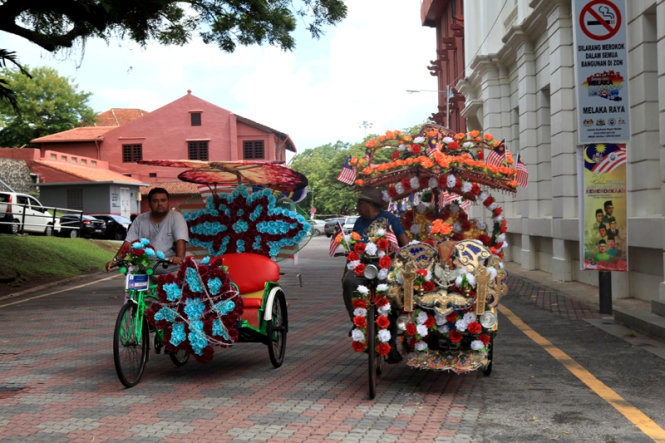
(249, 271)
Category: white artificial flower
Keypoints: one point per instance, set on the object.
(363, 289)
(357, 335)
(414, 182)
(398, 278)
(419, 139)
(382, 287)
(444, 329)
(352, 265)
(498, 218)
(384, 335)
(421, 208)
(470, 317)
(447, 140)
(401, 147)
(483, 196)
(360, 312)
(440, 319)
(383, 310)
(471, 278)
(501, 237)
(399, 188)
(383, 274)
(415, 229)
(386, 197)
(380, 232)
(433, 182)
(422, 330)
(461, 325)
(481, 224)
(422, 317)
(451, 181)
(467, 145)
(493, 272)
(466, 187)
(477, 345)
(493, 206)
(371, 248)
(457, 227)
(459, 280)
(381, 254)
(421, 346)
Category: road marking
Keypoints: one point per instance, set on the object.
(36, 297)
(634, 415)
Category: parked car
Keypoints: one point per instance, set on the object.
(347, 227)
(330, 225)
(318, 226)
(116, 225)
(78, 225)
(22, 210)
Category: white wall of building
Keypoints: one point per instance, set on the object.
(520, 85)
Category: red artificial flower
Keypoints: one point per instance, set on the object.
(382, 321)
(381, 301)
(416, 149)
(504, 227)
(385, 261)
(422, 272)
(486, 239)
(454, 336)
(411, 329)
(392, 192)
(497, 212)
(359, 303)
(475, 189)
(358, 346)
(424, 182)
(428, 286)
(352, 256)
(360, 269)
(474, 327)
(429, 242)
(406, 184)
(480, 154)
(466, 225)
(138, 252)
(394, 155)
(383, 349)
(453, 145)
(488, 201)
(485, 338)
(383, 244)
(430, 322)
(359, 248)
(452, 317)
(360, 321)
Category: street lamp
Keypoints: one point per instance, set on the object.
(365, 124)
(449, 95)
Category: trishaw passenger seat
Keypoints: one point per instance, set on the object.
(250, 271)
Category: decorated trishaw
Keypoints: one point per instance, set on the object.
(448, 281)
(227, 290)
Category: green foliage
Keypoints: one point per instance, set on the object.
(36, 257)
(48, 102)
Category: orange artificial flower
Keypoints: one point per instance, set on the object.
(473, 134)
(488, 137)
(441, 227)
(370, 143)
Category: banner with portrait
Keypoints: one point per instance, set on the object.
(604, 245)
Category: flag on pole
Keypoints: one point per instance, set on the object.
(335, 239)
(368, 155)
(446, 198)
(392, 238)
(522, 172)
(497, 155)
(348, 173)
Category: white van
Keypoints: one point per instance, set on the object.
(37, 219)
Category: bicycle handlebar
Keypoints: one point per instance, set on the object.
(165, 263)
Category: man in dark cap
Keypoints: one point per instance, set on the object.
(373, 218)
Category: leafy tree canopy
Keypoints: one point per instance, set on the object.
(49, 103)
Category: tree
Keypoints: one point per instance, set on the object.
(49, 103)
(59, 24)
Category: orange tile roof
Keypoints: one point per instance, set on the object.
(118, 116)
(88, 173)
(83, 134)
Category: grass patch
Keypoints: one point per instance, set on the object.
(37, 257)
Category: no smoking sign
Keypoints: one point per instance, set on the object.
(600, 19)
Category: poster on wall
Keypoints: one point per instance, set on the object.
(601, 71)
(604, 219)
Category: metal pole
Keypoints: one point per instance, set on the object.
(605, 291)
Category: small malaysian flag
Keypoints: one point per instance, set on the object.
(335, 239)
(497, 155)
(348, 173)
(392, 238)
(522, 172)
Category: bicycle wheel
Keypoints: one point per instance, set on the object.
(277, 328)
(372, 354)
(179, 357)
(131, 343)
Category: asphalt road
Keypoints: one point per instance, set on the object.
(555, 376)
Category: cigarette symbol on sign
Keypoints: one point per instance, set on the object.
(608, 17)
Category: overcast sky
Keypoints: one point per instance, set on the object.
(320, 93)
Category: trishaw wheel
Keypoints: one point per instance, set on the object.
(490, 356)
(276, 330)
(179, 357)
(372, 354)
(131, 344)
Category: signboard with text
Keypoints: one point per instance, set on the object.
(601, 71)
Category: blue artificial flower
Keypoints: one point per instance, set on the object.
(240, 226)
(193, 281)
(197, 339)
(172, 291)
(194, 308)
(256, 213)
(219, 330)
(224, 307)
(214, 284)
(160, 255)
(205, 260)
(137, 245)
(149, 252)
(240, 245)
(177, 334)
(166, 314)
(145, 241)
(257, 243)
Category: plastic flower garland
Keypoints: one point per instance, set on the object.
(375, 249)
(240, 222)
(141, 254)
(197, 308)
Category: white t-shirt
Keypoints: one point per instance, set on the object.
(162, 235)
